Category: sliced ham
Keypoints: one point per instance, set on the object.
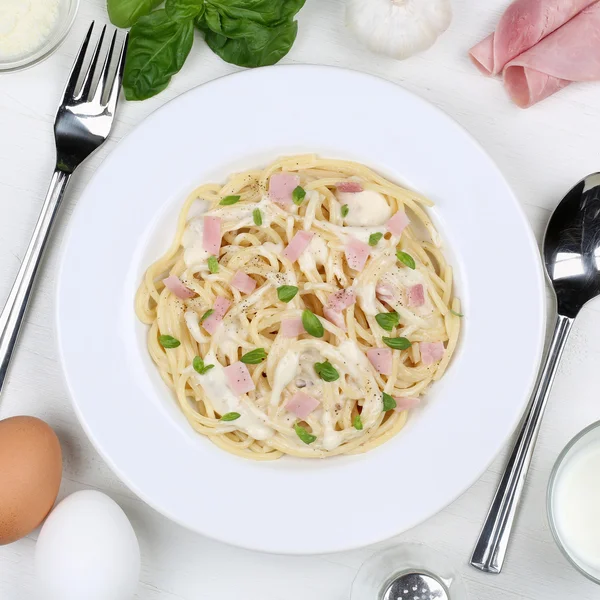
(398, 223)
(522, 26)
(352, 187)
(243, 282)
(385, 293)
(291, 328)
(177, 287)
(211, 240)
(335, 317)
(301, 405)
(381, 359)
(356, 253)
(298, 245)
(341, 299)
(405, 403)
(431, 352)
(220, 307)
(416, 295)
(238, 378)
(281, 186)
(571, 53)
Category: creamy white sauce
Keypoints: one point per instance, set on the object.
(365, 209)
(317, 253)
(284, 374)
(367, 299)
(241, 215)
(215, 386)
(193, 324)
(192, 240)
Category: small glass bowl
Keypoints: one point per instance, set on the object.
(590, 434)
(67, 11)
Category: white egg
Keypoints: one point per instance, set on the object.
(87, 549)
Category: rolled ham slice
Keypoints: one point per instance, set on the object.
(220, 307)
(211, 240)
(523, 24)
(243, 282)
(571, 53)
(281, 186)
(356, 253)
(301, 405)
(298, 245)
(381, 359)
(291, 328)
(177, 287)
(238, 378)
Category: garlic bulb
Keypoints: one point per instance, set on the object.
(398, 28)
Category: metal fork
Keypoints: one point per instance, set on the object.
(82, 124)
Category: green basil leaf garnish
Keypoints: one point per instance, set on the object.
(388, 321)
(407, 259)
(254, 357)
(229, 200)
(182, 10)
(257, 216)
(312, 325)
(298, 195)
(456, 314)
(207, 314)
(168, 341)
(200, 367)
(388, 402)
(345, 210)
(213, 264)
(286, 292)
(374, 238)
(326, 371)
(397, 343)
(124, 13)
(307, 438)
(357, 422)
(231, 416)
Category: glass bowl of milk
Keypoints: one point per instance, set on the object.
(30, 30)
(574, 501)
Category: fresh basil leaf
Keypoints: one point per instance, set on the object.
(225, 16)
(168, 341)
(158, 47)
(231, 416)
(345, 210)
(388, 402)
(398, 343)
(312, 325)
(407, 259)
(326, 371)
(255, 45)
(124, 13)
(257, 216)
(200, 367)
(456, 314)
(213, 264)
(254, 357)
(180, 10)
(357, 423)
(229, 200)
(388, 321)
(374, 238)
(286, 292)
(307, 438)
(298, 195)
(207, 314)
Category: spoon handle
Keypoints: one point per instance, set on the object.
(490, 549)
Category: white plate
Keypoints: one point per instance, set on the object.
(125, 219)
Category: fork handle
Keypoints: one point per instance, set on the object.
(491, 546)
(16, 304)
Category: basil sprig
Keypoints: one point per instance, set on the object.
(388, 321)
(456, 314)
(407, 259)
(200, 367)
(374, 238)
(312, 325)
(168, 341)
(298, 195)
(326, 371)
(388, 402)
(307, 438)
(207, 314)
(230, 416)
(229, 200)
(345, 210)
(254, 357)
(357, 423)
(257, 217)
(213, 264)
(286, 292)
(397, 343)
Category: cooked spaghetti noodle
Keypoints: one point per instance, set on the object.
(311, 344)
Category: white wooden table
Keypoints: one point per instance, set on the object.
(542, 152)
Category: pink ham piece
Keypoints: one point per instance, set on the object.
(385, 293)
(175, 285)
(352, 187)
(405, 403)
(341, 299)
(335, 317)
(243, 282)
(356, 253)
(398, 223)
(238, 378)
(291, 328)
(381, 359)
(522, 26)
(298, 245)
(211, 240)
(416, 295)
(570, 54)
(431, 352)
(301, 405)
(281, 186)
(220, 307)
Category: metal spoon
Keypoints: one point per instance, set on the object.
(572, 258)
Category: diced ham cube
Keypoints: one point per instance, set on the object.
(416, 295)
(243, 282)
(301, 405)
(405, 403)
(220, 307)
(356, 253)
(341, 299)
(298, 245)
(431, 352)
(385, 292)
(291, 328)
(335, 317)
(381, 359)
(238, 378)
(398, 223)
(281, 186)
(175, 285)
(211, 239)
(352, 187)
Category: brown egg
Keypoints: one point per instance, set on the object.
(30, 472)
